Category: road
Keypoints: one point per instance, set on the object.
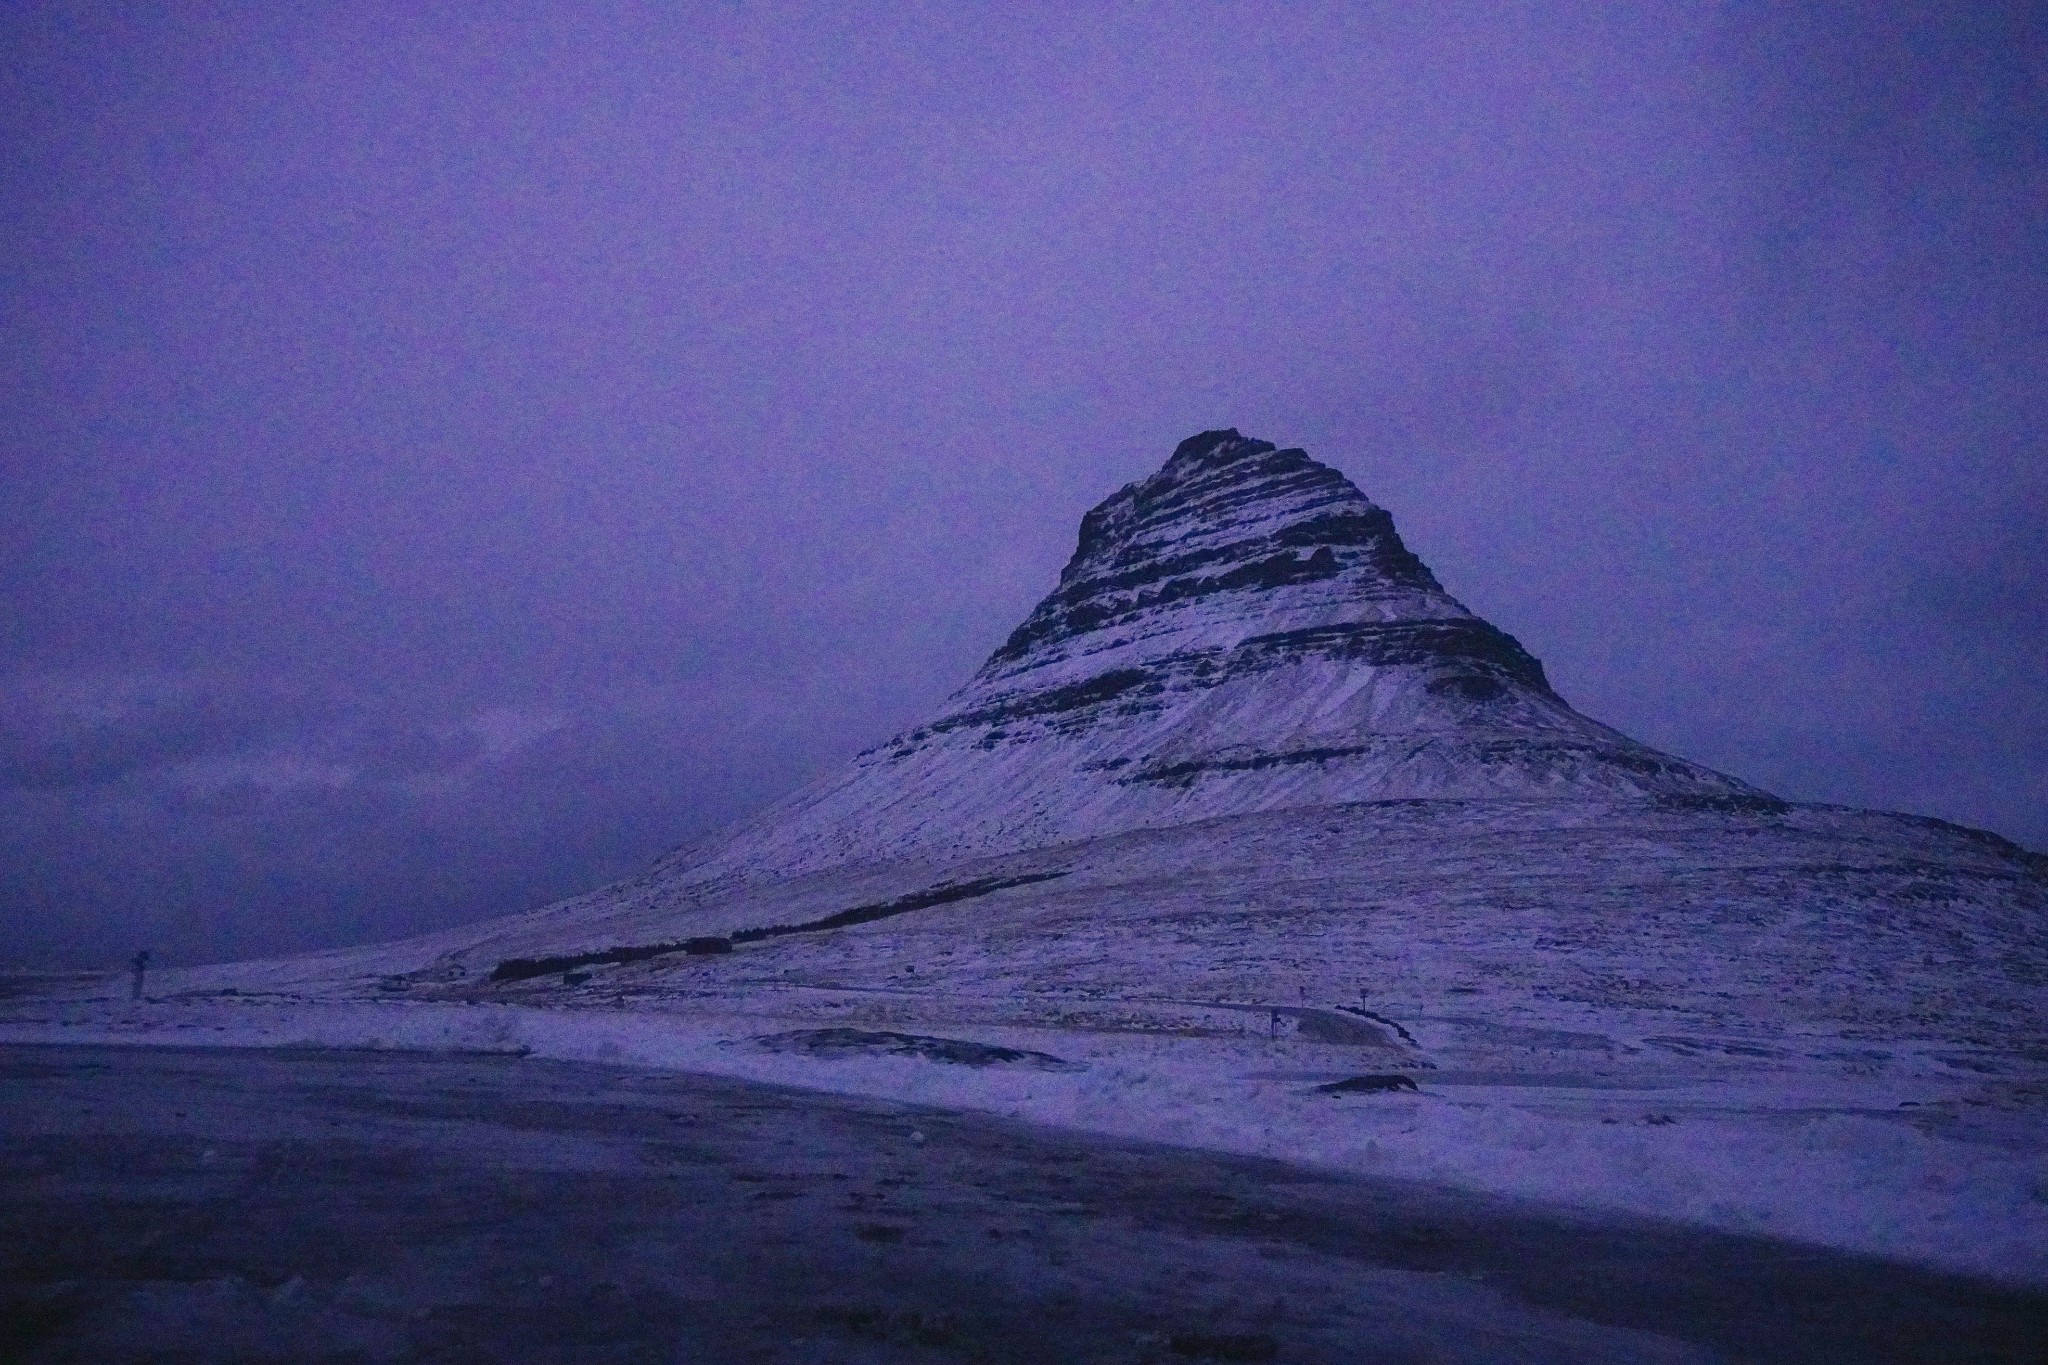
(174, 1205)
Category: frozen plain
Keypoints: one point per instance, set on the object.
(200, 1205)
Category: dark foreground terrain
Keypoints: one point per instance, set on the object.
(189, 1205)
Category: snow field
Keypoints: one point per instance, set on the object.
(1803, 1157)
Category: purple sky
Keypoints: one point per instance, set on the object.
(447, 462)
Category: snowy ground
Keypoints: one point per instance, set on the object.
(179, 1205)
(1823, 1025)
(1915, 1163)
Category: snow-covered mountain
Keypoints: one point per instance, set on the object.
(1249, 750)
(1242, 631)
(1249, 807)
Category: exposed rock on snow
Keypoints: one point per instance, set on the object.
(854, 1042)
(1368, 1085)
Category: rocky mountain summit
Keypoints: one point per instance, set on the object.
(1243, 631)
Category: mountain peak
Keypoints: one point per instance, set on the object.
(1242, 630)
(1229, 519)
(1226, 444)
